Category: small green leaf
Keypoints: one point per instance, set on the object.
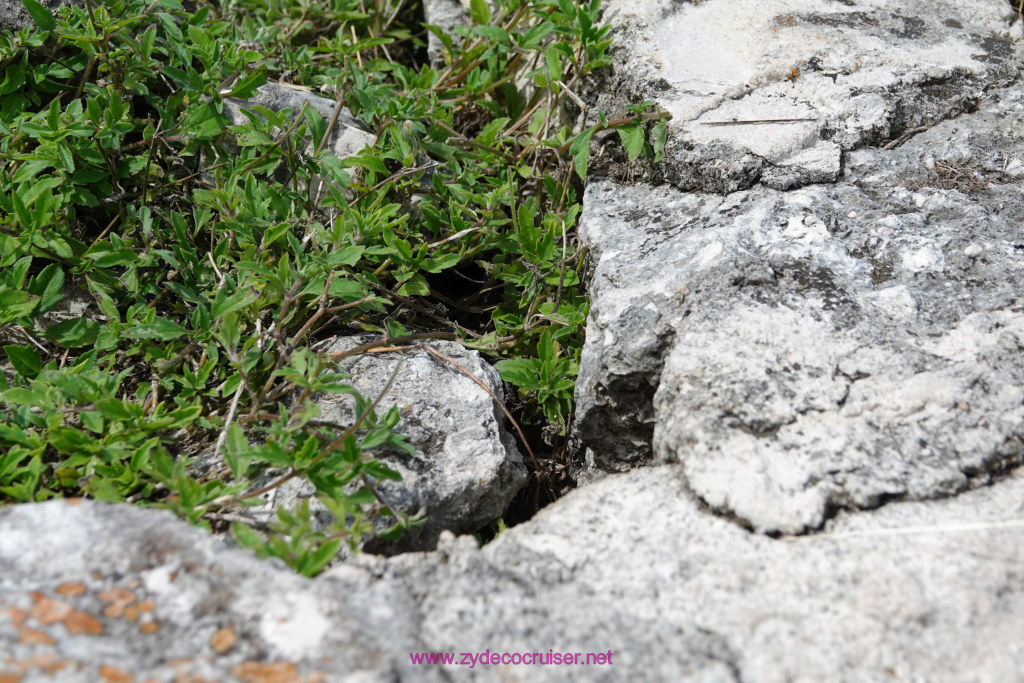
(526, 218)
(47, 286)
(302, 457)
(490, 132)
(246, 87)
(236, 451)
(74, 333)
(443, 262)
(92, 421)
(553, 61)
(116, 410)
(247, 538)
(369, 162)
(633, 140)
(374, 439)
(104, 300)
(493, 33)
(580, 151)
(229, 304)
(479, 11)
(312, 564)
(60, 247)
(40, 14)
(148, 40)
(531, 39)
(182, 417)
(229, 334)
(379, 470)
(346, 256)
(21, 211)
(545, 347)
(521, 372)
(25, 360)
(415, 286)
(64, 152)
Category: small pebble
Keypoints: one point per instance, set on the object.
(973, 250)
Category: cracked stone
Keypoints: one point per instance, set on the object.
(842, 76)
(807, 350)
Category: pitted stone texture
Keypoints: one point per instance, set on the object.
(824, 348)
(14, 16)
(863, 73)
(466, 467)
(447, 15)
(92, 592)
(633, 564)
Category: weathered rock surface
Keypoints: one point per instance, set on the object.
(860, 73)
(466, 468)
(94, 592)
(833, 348)
(635, 565)
(836, 345)
(632, 564)
(14, 17)
(447, 15)
(830, 347)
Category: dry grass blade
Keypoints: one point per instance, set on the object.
(756, 122)
(467, 373)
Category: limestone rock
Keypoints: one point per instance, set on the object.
(845, 74)
(633, 564)
(91, 592)
(446, 15)
(836, 346)
(466, 468)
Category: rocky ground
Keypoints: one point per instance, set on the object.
(801, 405)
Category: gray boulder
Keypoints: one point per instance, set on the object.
(635, 565)
(95, 592)
(834, 346)
(843, 74)
(632, 568)
(466, 467)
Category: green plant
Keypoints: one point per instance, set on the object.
(549, 375)
(209, 271)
